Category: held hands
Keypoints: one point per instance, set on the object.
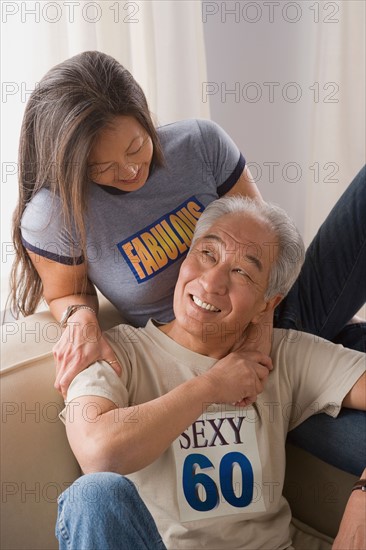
(259, 336)
(239, 377)
(81, 344)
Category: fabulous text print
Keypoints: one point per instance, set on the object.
(158, 245)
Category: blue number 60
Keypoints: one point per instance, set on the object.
(192, 480)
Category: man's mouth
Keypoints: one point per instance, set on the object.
(204, 305)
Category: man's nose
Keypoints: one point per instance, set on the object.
(215, 280)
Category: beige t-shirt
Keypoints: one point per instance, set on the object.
(219, 485)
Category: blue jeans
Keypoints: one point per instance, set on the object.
(330, 289)
(104, 511)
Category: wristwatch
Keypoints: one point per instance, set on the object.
(70, 310)
(360, 485)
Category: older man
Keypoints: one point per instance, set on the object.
(198, 429)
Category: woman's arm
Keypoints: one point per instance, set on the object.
(245, 186)
(82, 342)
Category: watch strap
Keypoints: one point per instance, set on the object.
(70, 310)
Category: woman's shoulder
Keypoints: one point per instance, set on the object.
(43, 197)
(43, 209)
(187, 127)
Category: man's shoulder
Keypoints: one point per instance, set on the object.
(290, 342)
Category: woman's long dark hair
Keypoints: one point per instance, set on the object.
(63, 116)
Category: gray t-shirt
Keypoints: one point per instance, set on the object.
(136, 241)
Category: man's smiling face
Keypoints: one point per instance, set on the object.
(222, 282)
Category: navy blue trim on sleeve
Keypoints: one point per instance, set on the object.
(52, 256)
(233, 178)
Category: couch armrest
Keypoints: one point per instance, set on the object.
(37, 462)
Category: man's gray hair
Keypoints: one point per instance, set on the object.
(290, 247)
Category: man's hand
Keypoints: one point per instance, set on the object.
(352, 530)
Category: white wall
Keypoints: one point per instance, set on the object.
(281, 43)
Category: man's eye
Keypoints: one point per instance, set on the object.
(242, 272)
(208, 253)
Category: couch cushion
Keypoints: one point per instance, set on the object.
(37, 462)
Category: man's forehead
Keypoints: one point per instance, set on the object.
(233, 229)
(257, 253)
(248, 237)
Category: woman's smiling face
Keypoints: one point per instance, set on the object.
(121, 155)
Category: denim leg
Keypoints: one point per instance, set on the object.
(352, 336)
(331, 289)
(103, 511)
(338, 441)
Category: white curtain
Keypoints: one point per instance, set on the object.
(160, 42)
(337, 133)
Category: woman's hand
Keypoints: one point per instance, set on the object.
(242, 375)
(259, 336)
(239, 377)
(81, 344)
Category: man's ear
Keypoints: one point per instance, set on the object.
(267, 308)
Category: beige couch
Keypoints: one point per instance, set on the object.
(37, 463)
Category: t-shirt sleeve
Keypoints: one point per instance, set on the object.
(44, 232)
(99, 379)
(319, 373)
(222, 156)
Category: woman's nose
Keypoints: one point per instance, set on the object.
(127, 171)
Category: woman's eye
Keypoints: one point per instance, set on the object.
(135, 152)
(104, 170)
(139, 149)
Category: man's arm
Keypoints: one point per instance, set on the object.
(352, 530)
(356, 397)
(124, 440)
